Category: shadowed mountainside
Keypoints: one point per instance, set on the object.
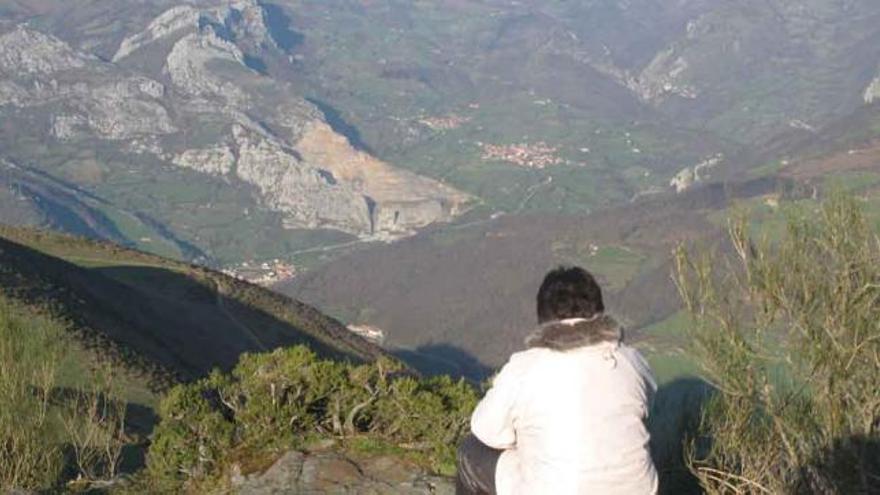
(168, 319)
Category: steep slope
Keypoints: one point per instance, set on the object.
(165, 319)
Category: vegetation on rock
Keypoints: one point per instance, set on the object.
(287, 399)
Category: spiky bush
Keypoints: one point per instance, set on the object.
(288, 398)
(786, 329)
(30, 457)
(51, 434)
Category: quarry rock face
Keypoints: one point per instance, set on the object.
(687, 177)
(310, 197)
(328, 472)
(180, 92)
(401, 200)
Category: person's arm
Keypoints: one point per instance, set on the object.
(649, 383)
(493, 420)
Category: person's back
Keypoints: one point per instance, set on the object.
(568, 413)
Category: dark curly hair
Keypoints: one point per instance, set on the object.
(569, 292)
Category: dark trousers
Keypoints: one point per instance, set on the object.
(476, 467)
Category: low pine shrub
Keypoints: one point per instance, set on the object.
(289, 398)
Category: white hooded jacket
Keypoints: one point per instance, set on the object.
(570, 414)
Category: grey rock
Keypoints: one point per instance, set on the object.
(26, 51)
(334, 473)
(187, 66)
(245, 19)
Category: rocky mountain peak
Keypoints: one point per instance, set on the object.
(26, 51)
(232, 20)
(187, 65)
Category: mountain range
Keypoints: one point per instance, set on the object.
(485, 140)
(228, 130)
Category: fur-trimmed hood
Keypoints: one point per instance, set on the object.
(565, 335)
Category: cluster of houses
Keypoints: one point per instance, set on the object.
(533, 155)
(369, 332)
(265, 273)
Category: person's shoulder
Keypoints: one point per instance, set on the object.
(523, 361)
(527, 357)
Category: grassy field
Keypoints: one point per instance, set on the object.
(664, 344)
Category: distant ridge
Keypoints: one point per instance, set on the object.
(164, 319)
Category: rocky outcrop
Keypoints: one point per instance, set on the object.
(690, 176)
(215, 161)
(325, 182)
(39, 70)
(303, 168)
(116, 111)
(28, 52)
(328, 472)
(872, 92)
(170, 22)
(187, 66)
(236, 20)
(663, 77)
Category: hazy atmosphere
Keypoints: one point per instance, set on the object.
(186, 182)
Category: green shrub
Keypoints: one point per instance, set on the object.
(288, 398)
(192, 437)
(788, 334)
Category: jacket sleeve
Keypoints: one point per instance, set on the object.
(649, 383)
(493, 420)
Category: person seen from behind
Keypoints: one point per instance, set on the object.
(567, 415)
